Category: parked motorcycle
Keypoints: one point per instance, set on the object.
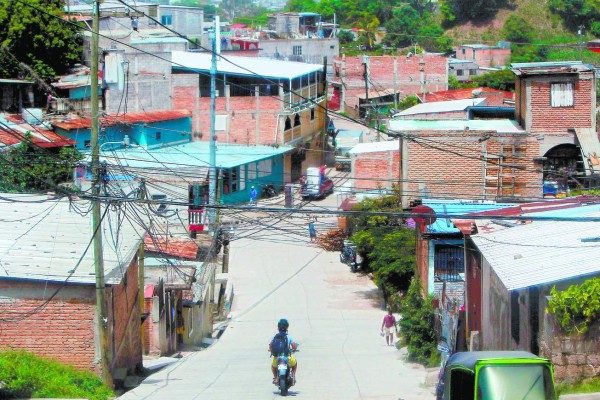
(284, 372)
(269, 191)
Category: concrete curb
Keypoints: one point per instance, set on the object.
(581, 396)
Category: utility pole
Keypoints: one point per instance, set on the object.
(212, 182)
(101, 317)
(366, 77)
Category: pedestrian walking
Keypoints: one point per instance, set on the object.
(252, 196)
(389, 323)
(312, 232)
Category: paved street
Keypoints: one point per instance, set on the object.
(334, 314)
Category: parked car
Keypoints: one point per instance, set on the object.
(350, 256)
(492, 375)
(317, 184)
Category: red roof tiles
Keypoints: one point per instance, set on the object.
(129, 118)
(172, 246)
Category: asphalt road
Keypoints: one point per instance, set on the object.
(334, 314)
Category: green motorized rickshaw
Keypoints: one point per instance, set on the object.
(496, 375)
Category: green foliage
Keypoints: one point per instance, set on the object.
(400, 30)
(387, 245)
(453, 83)
(417, 324)
(345, 36)
(302, 5)
(470, 10)
(589, 385)
(502, 80)
(576, 307)
(41, 40)
(24, 375)
(518, 29)
(408, 102)
(32, 168)
(577, 12)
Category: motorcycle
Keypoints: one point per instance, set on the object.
(284, 373)
(269, 191)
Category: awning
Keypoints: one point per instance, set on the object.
(590, 149)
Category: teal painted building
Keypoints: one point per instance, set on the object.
(150, 130)
(181, 172)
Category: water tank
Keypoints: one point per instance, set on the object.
(32, 116)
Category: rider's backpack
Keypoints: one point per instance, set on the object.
(279, 345)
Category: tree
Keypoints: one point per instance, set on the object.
(470, 10)
(368, 25)
(386, 244)
(345, 36)
(32, 168)
(518, 29)
(301, 5)
(577, 12)
(36, 34)
(502, 80)
(402, 28)
(417, 324)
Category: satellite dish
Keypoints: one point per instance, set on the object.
(424, 220)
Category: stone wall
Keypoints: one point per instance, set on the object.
(574, 356)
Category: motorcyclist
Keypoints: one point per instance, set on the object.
(282, 328)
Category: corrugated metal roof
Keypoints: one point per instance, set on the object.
(498, 125)
(13, 132)
(374, 147)
(457, 209)
(129, 118)
(248, 66)
(458, 94)
(190, 155)
(44, 241)
(543, 252)
(441, 107)
(553, 67)
(16, 81)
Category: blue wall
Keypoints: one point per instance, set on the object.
(172, 132)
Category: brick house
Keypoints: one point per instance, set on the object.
(48, 289)
(374, 165)
(403, 76)
(557, 101)
(259, 102)
(484, 55)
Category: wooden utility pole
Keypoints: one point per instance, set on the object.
(101, 316)
(212, 180)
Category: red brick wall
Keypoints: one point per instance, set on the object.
(125, 324)
(533, 106)
(438, 172)
(251, 120)
(63, 330)
(381, 75)
(148, 325)
(546, 118)
(375, 170)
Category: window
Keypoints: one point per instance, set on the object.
(472, 72)
(288, 124)
(515, 316)
(312, 114)
(464, 51)
(264, 168)
(561, 94)
(243, 177)
(460, 72)
(157, 135)
(461, 385)
(87, 144)
(474, 54)
(166, 20)
(297, 120)
(297, 50)
(448, 262)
